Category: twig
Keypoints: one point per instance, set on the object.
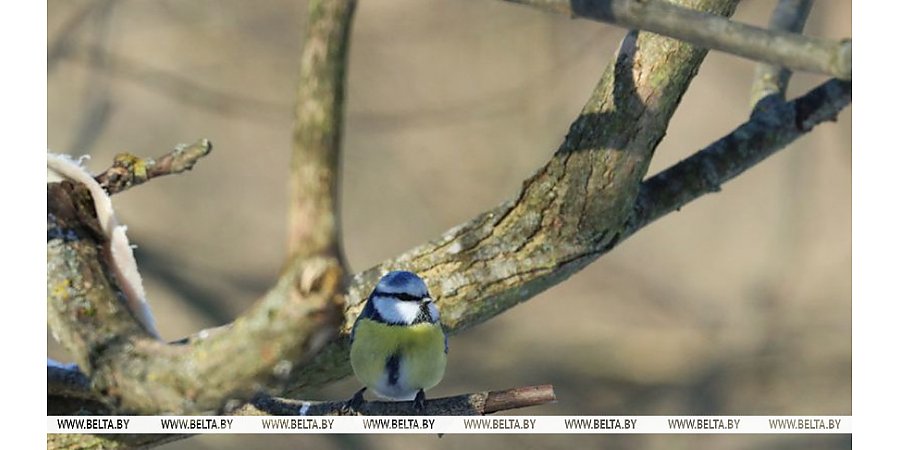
(474, 404)
(728, 157)
(794, 51)
(314, 222)
(128, 170)
(772, 80)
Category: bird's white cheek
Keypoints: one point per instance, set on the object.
(396, 311)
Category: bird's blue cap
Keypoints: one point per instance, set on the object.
(402, 282)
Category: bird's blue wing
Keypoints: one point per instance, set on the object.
(368, 312)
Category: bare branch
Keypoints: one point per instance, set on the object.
(314, 223)
(794, 51)
(474, 404)
(728, 157)
(772, 80)
(128, 170)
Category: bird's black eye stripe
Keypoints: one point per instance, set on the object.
(400, 296)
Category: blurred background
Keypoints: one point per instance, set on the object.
(737, 304)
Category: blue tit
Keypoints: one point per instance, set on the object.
(398, 348)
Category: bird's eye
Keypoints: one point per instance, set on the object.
(406, 297)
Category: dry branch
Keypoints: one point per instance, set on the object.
(128, 170)
(794, 51)
(770, 81)
(474, 404)
(728, 157)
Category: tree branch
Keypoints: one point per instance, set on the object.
(128, 170)
(771, 80)
(314, 225)
(728, 157)
(794, 51)
(473, 404)
(137, 373)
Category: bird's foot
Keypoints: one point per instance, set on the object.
(419, 402)
(356, 402)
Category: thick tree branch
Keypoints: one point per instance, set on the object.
(137, 373)
(314, 225)
(128, 170)
(794, 51)
(771, 80)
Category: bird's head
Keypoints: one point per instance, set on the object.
(402, 298)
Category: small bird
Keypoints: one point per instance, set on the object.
(398, 348)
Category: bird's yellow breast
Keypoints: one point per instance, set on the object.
(419, 349)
